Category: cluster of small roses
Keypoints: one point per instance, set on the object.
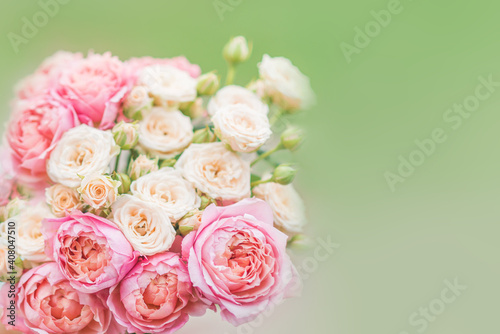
(131, 187)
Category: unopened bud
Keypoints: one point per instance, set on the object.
(208, 84)
(126, 135)
(204, 135)
(300, 242)
(168, 163)
(284, 174)
(206, 201)
(138, 103)
(191, 222)
(125, 182)
(142, 166)
(193, 109)
(237, 50)
(292, 138)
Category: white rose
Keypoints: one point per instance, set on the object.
(145, 225)
(168, 189)
(288, 208)
(99, 191)
(168, 85)
(165, 133)
(285, 84)
(241, 128)
(29, 239)
(81, 151)
(216, 171)
(138, 103)
(231, 95)
(62, 200)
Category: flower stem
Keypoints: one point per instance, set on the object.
(256, 183)
(231, 71)
(266, 154)
(117, 163)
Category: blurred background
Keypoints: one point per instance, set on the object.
(416, 254)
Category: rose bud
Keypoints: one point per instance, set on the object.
(193, 109)
(292, 138)
(204, 135)
(125, 181)
(126, 135)
(237, 50)
(142, 166)
(208, 84)
(137, 103)
(190, 222)
(284, 174)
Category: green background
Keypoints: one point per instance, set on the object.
(397, 247)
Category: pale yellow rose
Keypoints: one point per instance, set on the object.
(99, 191)
(62, 200)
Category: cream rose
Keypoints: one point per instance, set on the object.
(216, 171)
(99, 191)
(165, 133)
(30, 242)
(168, 189)
(145, 224)
(62, 200)
(4, 252)
(285, 84)
(81, 151)
(231, 95)
(168, 85)
(241, 127)
(288, 208)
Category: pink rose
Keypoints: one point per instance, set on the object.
(46, 75)
(95, 86)
(8, 187)
(238, 260)
(92, 253)
(35, 128)
(136, 65)
(48, 304)
(156, 296)
(7, 315)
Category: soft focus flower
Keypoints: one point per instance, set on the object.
(33, 132)
(136, 65)
(238, 260)
(156, 296)
(142, 166)
(126, 135)
(216, 171)
(30, 243)
(138, 103)
(168, 85)
(204, 135)
(4, 252)
(7, 176)
(193, 109)
(165, 133)
(95, 86)
(81, 151)
(145, 224)
(208, 84)
(284, 174)
(231, 95)
(288, 208)
(191, 222)
(285, 84)
(92, 253)
(237, 50)
(168, 189)
(240, 127)
(62, 200)
(292, 138)
(98, 190)
(48, 304)
(45, 77)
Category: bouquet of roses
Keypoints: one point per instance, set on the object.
(130, 200)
